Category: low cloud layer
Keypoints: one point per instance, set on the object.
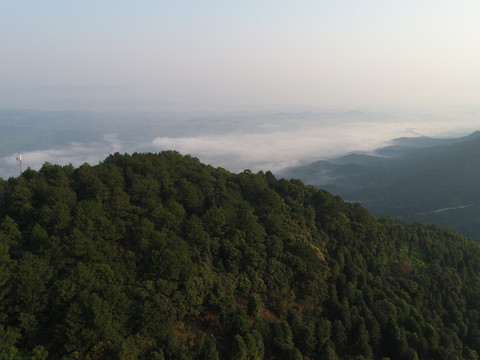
(268, 142)
(75, 153)
(275, 150)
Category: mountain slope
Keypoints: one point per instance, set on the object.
(157, 256)
(429, 182)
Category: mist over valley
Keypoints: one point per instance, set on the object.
(235, 140)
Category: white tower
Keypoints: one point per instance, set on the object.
(19, 160)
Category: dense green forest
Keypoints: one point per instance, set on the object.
(158, 256)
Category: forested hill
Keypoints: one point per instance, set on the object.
(157, 256)
(415, 179)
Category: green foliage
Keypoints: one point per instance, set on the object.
(39, 353)
(157, 256)
(8, 337)
(239, 348)
(254, 305)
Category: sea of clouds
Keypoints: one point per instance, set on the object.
(236, 142)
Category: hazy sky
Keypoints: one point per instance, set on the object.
(412, 67)
(154, 54)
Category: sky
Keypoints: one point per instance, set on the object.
(238, 54)
(410, 67)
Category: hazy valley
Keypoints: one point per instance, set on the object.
(424, 179)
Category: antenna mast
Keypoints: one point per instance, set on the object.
(19, 160)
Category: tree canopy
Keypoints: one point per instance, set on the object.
(158, 256)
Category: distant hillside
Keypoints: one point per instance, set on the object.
(157, 256)
(414, 179)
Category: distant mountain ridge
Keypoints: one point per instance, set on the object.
(411, 180)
